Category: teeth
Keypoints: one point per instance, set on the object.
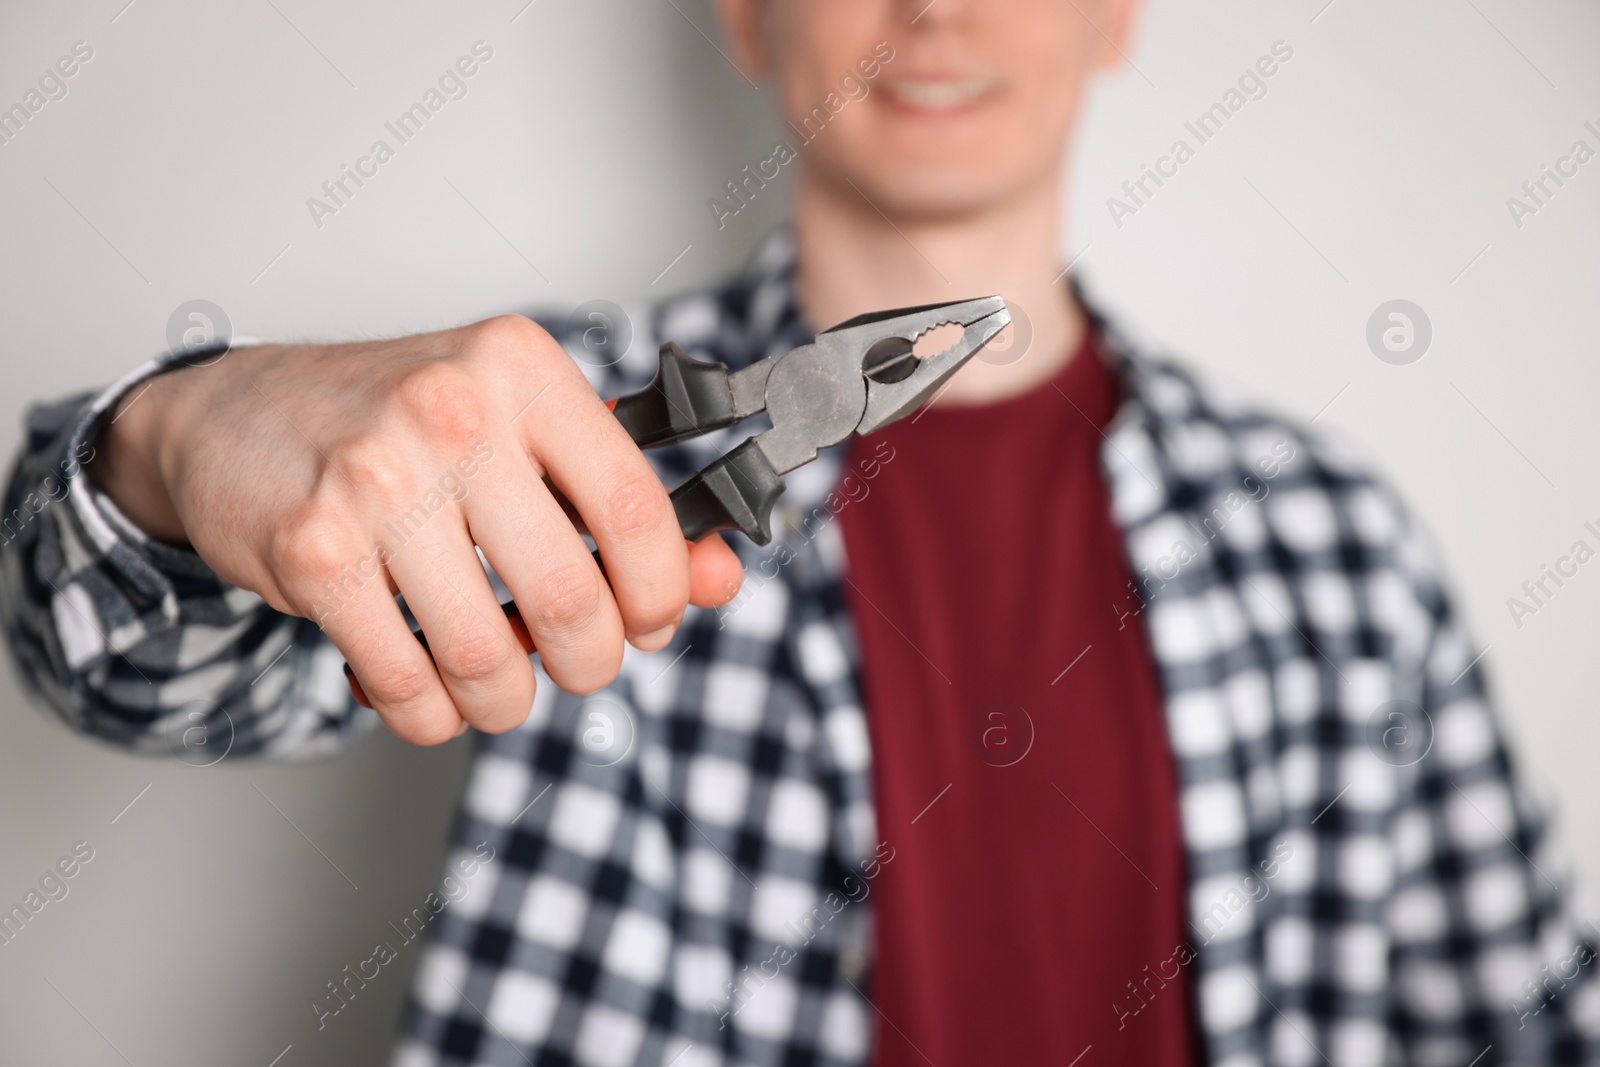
(939, 93)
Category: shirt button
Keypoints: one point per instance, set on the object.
(852, 964)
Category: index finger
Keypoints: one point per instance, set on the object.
(589, 457)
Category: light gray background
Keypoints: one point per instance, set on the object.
(1377, 167)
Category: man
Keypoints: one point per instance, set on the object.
(1087, 717)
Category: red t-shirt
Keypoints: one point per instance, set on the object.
(1035, 904)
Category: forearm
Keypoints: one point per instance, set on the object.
(103, 622)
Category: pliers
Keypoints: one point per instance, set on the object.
(854, 378)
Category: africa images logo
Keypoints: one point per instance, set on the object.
(852, 89)
(452, 85)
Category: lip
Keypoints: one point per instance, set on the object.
(939, 95)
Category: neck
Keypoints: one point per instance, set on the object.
(854, 259)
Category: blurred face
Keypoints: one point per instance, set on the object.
(929, 110)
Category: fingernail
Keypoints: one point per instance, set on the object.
(655, 639)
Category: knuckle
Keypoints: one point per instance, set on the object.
(634, 507)
(401, 685)
(569, 598)
(655, 600)
(310, 546)
(514, 342)
(508, 331)
(522, 351)
(445, 401)
(370, 461)
(477, 656)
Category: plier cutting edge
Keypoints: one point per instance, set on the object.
(857, 377)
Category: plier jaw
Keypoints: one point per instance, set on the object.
(857, 377)
(898, 382)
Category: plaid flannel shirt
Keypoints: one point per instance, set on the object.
(1370, 879)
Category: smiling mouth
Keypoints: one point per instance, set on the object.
(944, 94)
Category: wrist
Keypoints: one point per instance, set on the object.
(128, 460)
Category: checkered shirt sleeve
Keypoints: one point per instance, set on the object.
(138, 642)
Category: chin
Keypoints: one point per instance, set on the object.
(935, 199)
(925, 193)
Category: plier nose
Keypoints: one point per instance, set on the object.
(857, 377)
(864, 373)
